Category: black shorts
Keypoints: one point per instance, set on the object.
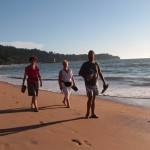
(33, 89)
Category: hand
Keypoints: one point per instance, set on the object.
(89, 77)
(40, 84)
(61, 88)
(104, 85)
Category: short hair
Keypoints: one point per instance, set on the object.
(91, 51)
(65, 61)
(33, 57)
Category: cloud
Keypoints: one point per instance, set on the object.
(20, 44)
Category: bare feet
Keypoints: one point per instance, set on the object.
(68, 106)
(32, 106)
(64, 103)
(86, 116)
(93, 116)
(36, 110)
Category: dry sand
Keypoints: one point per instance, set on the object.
(55, 127)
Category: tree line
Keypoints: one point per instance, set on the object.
(13, 55)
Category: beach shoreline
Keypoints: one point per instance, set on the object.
(119, 126)
(137, 102)
(123, 83)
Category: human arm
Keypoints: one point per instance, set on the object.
(59, 80)
(101, 77)
(73, 80)
(39, 76)
(24, 78)
(81, 72)
(86, 71)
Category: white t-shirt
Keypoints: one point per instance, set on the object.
(67, 76)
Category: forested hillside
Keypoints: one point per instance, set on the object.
(12, 55)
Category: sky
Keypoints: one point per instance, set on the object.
(116, 27)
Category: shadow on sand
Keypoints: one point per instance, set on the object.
(7, 131)
(25, 109)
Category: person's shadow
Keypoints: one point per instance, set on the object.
(7, 131)
(25, 109)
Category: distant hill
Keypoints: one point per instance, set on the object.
(12, 55)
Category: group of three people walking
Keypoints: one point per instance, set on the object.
(90, 71)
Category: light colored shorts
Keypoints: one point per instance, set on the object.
(67, 92)
(33, 89)
(92, 90)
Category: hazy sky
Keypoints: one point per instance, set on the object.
(117, 27)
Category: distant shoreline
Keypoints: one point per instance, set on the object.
(13, 55)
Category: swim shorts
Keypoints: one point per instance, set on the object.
(92, 90)
(33, 89)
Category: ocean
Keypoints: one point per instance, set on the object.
(128, 79)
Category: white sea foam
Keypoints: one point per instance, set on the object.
(127, 79)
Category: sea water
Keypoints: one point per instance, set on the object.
(128, 79)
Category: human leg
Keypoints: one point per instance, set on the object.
(92, 91)
(34, 101)
(95, 92)
(33, 91)
(93, 105)
(64, 101)
(89, 94)
(67, 92)
(88, 106)
(93, 108)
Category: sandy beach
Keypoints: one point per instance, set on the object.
(119, 126)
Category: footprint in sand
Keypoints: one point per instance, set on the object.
(87, 143)
(79, 142)
(76, 141)
(73, 131)
(34, 142)
(42, 123)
